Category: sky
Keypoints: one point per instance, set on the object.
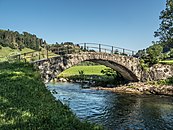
(123, 23)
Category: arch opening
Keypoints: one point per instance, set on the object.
(125, 72)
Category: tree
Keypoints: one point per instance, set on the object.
(154, 54)
(165, 32)
(141, 54)
(171, 53)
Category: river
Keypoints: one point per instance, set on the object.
(116, 111)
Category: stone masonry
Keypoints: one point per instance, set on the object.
(129, 67)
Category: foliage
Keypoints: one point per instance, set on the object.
(151, 55)
(15, 40)
(82, 74)
(108, 72)
(161, 50)
(154, 54)
(25, 102)
(165, 32)
(171, 53)
(144, 65)
(168, 81)
(141, 54)
(64, 48)
(117, 77)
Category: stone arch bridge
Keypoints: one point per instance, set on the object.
(128, 66)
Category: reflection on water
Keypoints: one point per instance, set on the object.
(116, 111)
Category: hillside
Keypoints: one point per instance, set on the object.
(15, 40)
(13, 43)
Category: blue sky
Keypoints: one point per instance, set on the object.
(123, 23)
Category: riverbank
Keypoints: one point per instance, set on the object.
(141, 88)
(25, 102)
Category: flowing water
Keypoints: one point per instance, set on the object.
(116, 111)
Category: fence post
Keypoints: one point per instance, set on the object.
(99, 47)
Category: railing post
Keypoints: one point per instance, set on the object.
(67, 51)
(58, 51)
(19, 57)
(132, 53)
(99, 47)
(47, 52)
(39, 55)
(24, 57)
(112, 50)
(123, 51)
(84, 46)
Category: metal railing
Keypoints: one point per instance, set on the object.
(106, 48)
(70, 49)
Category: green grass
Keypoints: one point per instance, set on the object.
(167, 62)
(25, 102)
(88, 70)
(5, 52)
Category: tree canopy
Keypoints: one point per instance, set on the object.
(165, 31)
(163, 48)
(15, 40)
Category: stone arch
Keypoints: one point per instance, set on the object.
(125, 72)
(126, 66)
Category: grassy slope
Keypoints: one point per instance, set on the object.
(6, 51)
(88, 70)
(25, 103)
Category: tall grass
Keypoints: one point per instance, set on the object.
(25, 102)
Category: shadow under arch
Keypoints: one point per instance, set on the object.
(125, 72)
